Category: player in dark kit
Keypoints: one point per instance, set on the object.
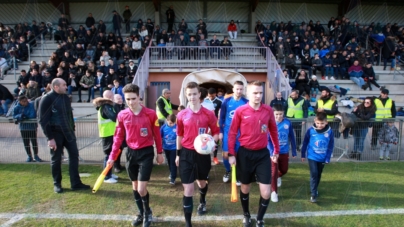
(191, 122)
(140, 126)
(253, 121)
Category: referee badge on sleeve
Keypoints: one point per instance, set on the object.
(156, 123)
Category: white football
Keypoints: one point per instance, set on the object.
(204, 144)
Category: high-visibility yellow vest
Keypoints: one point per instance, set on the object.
(167, 107)
(383, 111)
(295, 111)
(326, 106)
(106, 127)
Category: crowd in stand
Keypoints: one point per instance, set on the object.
(345, 50)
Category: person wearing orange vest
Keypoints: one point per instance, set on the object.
(385, 108)
(164, 107)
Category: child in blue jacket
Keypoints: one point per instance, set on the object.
(169, 136)
(319, 144)
(286, 135)
(23, 111)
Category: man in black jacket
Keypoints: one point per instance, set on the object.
(290, 63)
(90, 21)
(56, 120)
(170, 18)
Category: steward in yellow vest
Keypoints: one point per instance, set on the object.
(296, 107)
(326, 104)
(164, 107)
(106, 128)
(385, 107)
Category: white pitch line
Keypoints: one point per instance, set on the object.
(15, 217)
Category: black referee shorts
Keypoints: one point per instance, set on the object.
(193, 166)
(251, 163)
(139, 163)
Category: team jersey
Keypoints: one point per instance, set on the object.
(190, 125)
(229, 106)
(217, 104)
(285, 135)
(169, 137)
(253, 126)
(140, 130)
(319, 144)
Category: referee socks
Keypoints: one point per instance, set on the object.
(145, 200)
(245, 199)
(262, 208)
(138, 201)
(202, 192)
(188, 207)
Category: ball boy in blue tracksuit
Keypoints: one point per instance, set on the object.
(285, 135)
(169, 136)
(318, 143)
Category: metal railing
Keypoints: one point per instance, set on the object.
(180, 57)
(90, 148)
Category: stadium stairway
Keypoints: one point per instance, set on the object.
(386, 78)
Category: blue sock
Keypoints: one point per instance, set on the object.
(226, 165)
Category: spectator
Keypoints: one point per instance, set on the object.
(335, 65)
(170, 48)
(202, 26)
(132, 68)
(46, 79)
(22, 112)
(355, 74)
(388, 135)
(36, 77)
(62, 74)
(63, 22)
(369, 76)
(364, 112)
(143, 32)
(314, 51)
(385, 108)
(117, 89)
(150, 27)
(3, 67)
(302, 83)
(314, 86)
(90, 21)
(317, 64)
(23, 79)
(109, 78)
(183, 26)
(73, 83)
(203, 47)
(232, 30)
(389, 52)
(116, 23)
(226, 47)
(306, 63)
(280, 54)
(136, 47)
(5, 98)
(127, 14)
(279, 100)
(329, 70)
(171, 18)
(290, 64)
